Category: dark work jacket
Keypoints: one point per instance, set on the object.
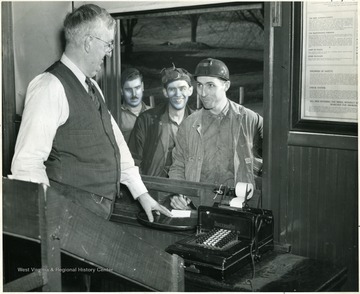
(84, 154)
(145, 142)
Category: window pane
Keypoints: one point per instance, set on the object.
(235, 37)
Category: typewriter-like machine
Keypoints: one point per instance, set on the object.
(226, 238)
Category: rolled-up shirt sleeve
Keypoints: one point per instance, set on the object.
(130, 175)
(46, 109)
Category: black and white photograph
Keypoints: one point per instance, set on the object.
(180, 146)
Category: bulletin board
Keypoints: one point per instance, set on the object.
(325, 66)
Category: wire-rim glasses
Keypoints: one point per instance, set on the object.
(108, 45)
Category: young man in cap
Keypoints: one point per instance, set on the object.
(218, 143)
(132, 90)
(154, 134)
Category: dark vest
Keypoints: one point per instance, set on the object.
(84, 154)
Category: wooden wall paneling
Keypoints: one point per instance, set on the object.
(321, 206)
(302, 200)
(330, 203)
(308, 187)
(326, 194)
(8, 88)
(314, 179)
(347, 215)
(296, 198)
(290, 214)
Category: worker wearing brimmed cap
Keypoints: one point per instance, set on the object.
(132, 89)
(217, 144)
(154, 134)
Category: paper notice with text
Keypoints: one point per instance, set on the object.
(329, 61)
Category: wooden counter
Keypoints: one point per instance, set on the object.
(277, 271)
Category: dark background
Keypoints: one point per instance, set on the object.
(159, 42)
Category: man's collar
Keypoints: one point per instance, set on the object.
(226, 108)
(222, 113)
(76, 71)
(172, 118)
(125, 106)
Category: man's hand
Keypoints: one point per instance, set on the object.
(180, 202)
(149, 204)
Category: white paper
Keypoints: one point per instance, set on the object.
(242, 190)
(180, 213)
(237, 202)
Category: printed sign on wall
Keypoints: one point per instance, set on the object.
(329, 61)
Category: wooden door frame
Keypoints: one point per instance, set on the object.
(8, 87)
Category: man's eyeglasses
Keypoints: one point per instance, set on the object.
(108, 45)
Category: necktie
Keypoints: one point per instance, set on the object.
(92, 92)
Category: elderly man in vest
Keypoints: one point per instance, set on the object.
(154, 135)
(68, 139)
(219, 143)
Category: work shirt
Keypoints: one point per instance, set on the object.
(46, 109)
(218, 163)
(246, 129)
(153, 139)
(127, 119)
(173, 127)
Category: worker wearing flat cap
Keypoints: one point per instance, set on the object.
(132, 90)
(154, 133)
(219, 143)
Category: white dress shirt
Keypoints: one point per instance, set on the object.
(46, 109)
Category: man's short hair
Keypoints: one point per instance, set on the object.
(171, 74)
(86, 20)
(130, 74)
